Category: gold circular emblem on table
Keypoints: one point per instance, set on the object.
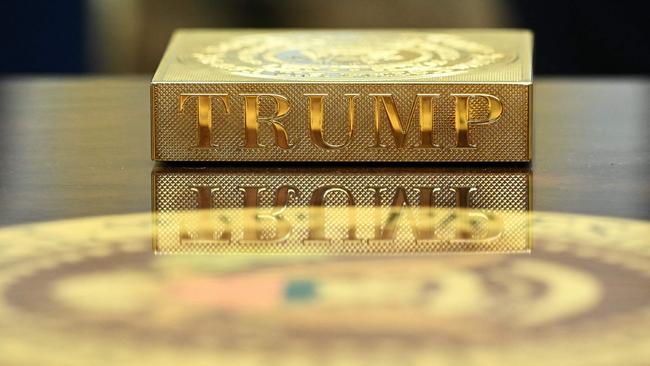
(346, 56)
(90, 292)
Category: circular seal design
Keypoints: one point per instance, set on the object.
(75, 289)
(345, 56)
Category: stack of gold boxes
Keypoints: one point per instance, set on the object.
(404, 103)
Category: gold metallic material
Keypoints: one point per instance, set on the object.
(204, 112)
(252, 120)
(349, 211)
(316, 115)
(344, 95)
(495, 108)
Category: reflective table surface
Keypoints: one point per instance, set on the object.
(107, 258)
(75, 147)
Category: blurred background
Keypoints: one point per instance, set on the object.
(129, 36)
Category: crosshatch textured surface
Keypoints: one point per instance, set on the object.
(175, 133)
(294, 63)
(177, 209)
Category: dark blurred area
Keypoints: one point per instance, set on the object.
(129, 36)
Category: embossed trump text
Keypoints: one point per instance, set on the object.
(265, 113)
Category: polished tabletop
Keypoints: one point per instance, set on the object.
(79, 146)
(458, 288)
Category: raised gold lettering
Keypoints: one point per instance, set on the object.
(252, 120)
(204, 115)
(399, 130)
(316, 117)
(463, 121)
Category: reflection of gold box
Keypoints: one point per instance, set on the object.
(362, 95)
(346, 211)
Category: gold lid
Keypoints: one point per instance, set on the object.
(350, 56)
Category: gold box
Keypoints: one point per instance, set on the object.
(344, 95)
(344, 211)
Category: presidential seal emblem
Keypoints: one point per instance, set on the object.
(345, 56)
(76, 289)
